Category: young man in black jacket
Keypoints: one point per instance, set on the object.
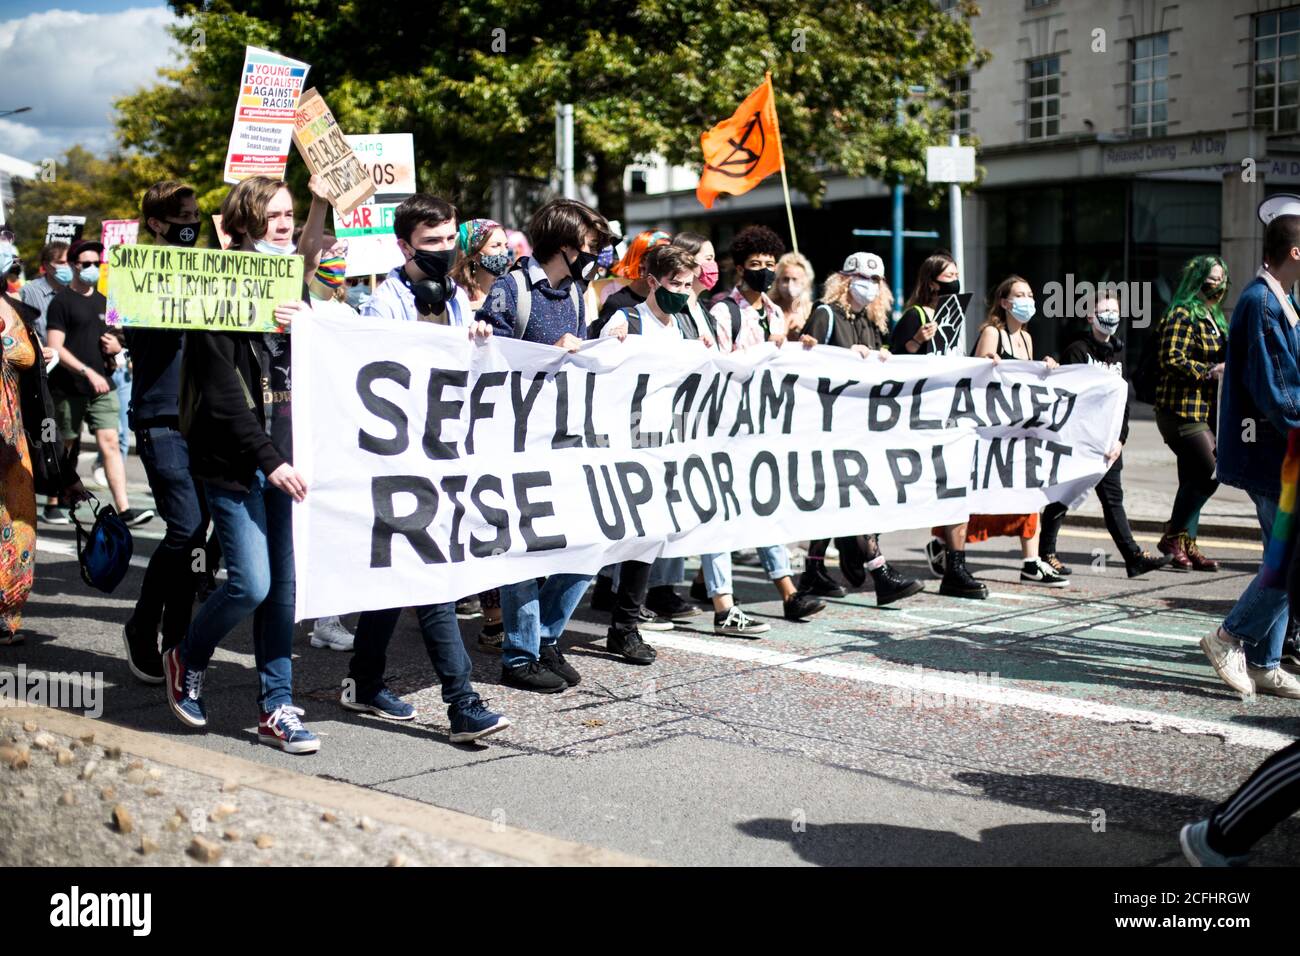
(1100, 347)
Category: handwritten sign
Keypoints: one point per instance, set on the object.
(264, 115)
(328, 155)
(372, 244)
(390, 160)
(165, 287)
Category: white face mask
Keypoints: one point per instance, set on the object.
(270, 249)
(1107, 323)
(863, 291)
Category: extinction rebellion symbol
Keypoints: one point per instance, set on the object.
(742, 159)
(187, 234)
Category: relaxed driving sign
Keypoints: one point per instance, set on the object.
(950, 164)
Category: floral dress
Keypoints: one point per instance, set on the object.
(17, 494)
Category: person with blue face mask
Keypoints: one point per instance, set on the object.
(56, 275)
(1102, 348)
(1003, 337)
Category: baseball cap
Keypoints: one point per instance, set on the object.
(864, 264)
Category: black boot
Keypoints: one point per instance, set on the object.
(853, 563)
(892, 586)
(957, 581)
(815, 580)
(1142, 562)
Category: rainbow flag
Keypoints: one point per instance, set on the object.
(1281, 539)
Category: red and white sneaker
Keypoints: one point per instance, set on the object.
(282, 728)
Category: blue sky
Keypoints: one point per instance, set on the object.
(69, 63)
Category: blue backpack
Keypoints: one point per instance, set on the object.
(104, 551)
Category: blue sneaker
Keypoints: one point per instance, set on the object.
(282, 728)
(384, 704)
(184, 690)
(1197, 849)
(470, 720)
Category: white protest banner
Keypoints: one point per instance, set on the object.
(64, 229)
(116, 232)
(439, 467)
(372, 245)
(327, 154)
(269, 87)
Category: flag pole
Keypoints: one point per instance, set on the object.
(785, 185)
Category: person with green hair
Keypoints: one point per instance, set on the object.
(1193, 344)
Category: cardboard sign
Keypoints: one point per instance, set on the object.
(223, 237)
(390, 160)
(64, 229)
(165, 287)
(269, 88)
(326, 151)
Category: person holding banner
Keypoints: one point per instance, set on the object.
(240, 453)
(854, 314)
(1100, 348)
(481, 258)
(169, 213)
(1003, 337)
(426, 233)
(793, 290)
(635, 287)
(541, 300)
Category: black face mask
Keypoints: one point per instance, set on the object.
(583, 267)
(181, 233)
(434, 264)
(760, 280)
(1212, 291)
(951, 287)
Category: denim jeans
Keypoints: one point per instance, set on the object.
(170, 580)
(256, 532)
(1259, 617)
(442, 640)
(535, 616)
(122, 382)
(717, 567)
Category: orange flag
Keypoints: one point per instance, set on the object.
(741, 152)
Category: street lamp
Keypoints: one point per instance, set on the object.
(21, 109)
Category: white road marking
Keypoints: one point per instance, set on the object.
(934, 683)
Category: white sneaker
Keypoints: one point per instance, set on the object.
(330, 632)
(1229, 662)
(1044, 574)
(99, 476)
(1276, 681)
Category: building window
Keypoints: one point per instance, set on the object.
(640, 182)
(1149, 86)
(1277, 70)
(1044, 97)
(959, 101)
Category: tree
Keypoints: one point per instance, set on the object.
(475, 82)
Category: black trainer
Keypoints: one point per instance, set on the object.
(958, 582)
(552, 658)
(800, 606)
(852, 562)
(816, 580)
(666, 602)
(469, 608)
(134, 517)
(142, 654)
(1142, 562)
(602, 595)
(533, 676)
(700, 593)
(630, 647)
(892, 586)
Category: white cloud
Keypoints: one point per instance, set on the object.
(69, 67)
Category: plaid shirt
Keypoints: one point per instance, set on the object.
(1189, 346)
(751, 328)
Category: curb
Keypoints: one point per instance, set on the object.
(523, 845)
(1242, 532)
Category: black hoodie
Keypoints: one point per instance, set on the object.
(1109, 355)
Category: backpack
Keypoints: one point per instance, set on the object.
(524, 301)
(104, 552)
(830, 322)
